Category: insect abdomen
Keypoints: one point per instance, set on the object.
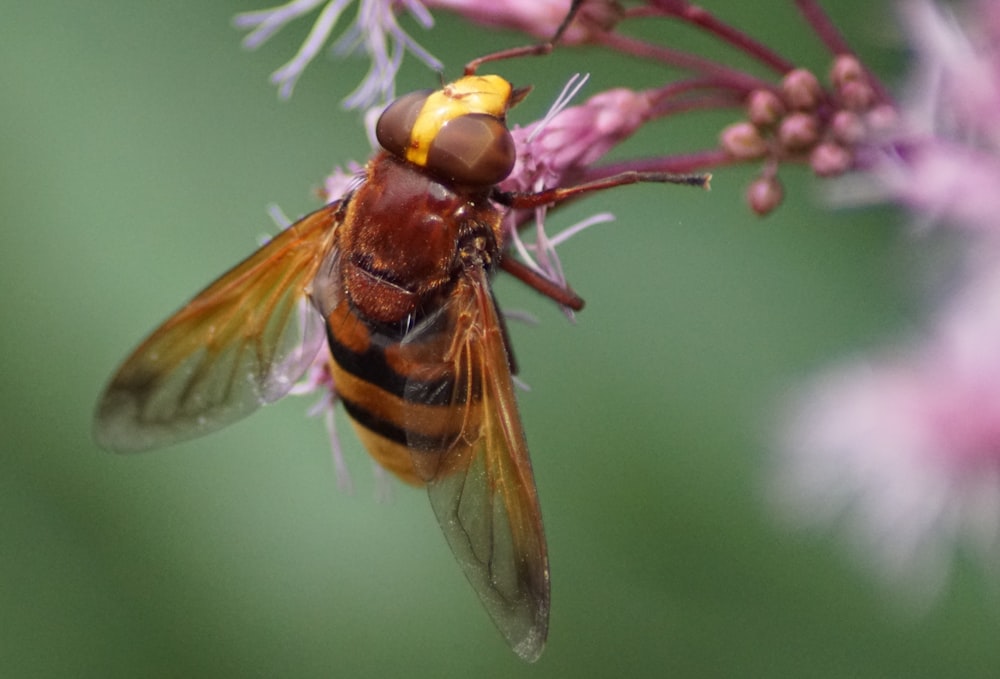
(402, 399)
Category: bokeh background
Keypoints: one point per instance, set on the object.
(139, 148)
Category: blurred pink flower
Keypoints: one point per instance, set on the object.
(902, 450)
(944, 162)
(906, 447)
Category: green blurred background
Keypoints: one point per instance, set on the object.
(139, 148)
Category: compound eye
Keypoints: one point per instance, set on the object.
(474, 149)
(396, 122)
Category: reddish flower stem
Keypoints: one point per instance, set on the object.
(707, 103)
(834, 40)
(696, 94)
(823, 27)
(722, 75)
(708, 22)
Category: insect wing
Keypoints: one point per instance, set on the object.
(242, 342)
(479, 476)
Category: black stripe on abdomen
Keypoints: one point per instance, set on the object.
(391, 431)
(373, 422)
(426, 415)
(372, 366)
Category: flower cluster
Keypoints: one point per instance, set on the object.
(908, 442)
(800, 120)
(905, 445)
(791, 118)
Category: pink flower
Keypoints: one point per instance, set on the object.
(905, 448)
(375, 31)
(558, 150)
(944, 162)
(568, 140)
(538, 18)
(341, 182)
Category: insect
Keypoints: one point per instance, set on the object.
(394, 279)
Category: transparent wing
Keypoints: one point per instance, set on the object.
(479, 476)
(242, 342)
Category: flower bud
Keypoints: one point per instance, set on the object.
(801, 89)
(846, 69)
(830, 159)
(743, 141)
(764, 108)
(882, 119)
(764, 194)
(847, 127)
(857, 96)
(798, 131)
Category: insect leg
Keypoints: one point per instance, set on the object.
(538, 50)
(558, 293)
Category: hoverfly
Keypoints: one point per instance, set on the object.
(395, 279)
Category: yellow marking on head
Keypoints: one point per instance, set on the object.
(489, 94)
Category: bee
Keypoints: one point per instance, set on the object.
(394, 279)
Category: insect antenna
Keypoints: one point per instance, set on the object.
(528, 200)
